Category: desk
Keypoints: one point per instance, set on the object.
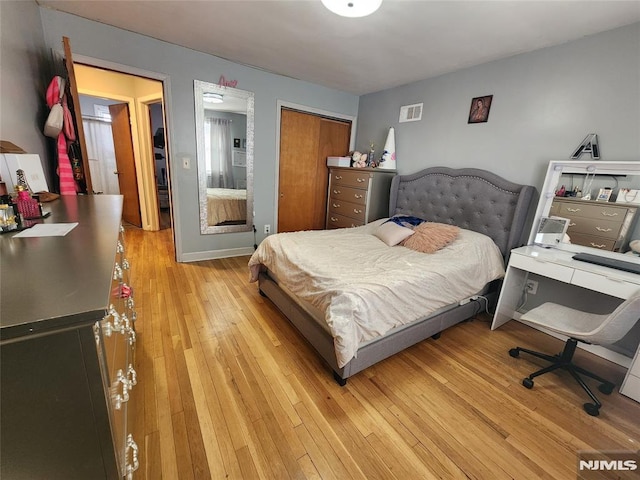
(559, 266)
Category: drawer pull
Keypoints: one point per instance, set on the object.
(123, 397)
(117, 272)
(357, 195)
(360, 180)
(603, 229)
(617, 280)
(337, 192)
(333, 219)
(132, 377)
(355, 210)
(338, 177)
(614, 214)
(132, 447)
(572, 224)
(335, 205)
(573, 210)
(597, 246)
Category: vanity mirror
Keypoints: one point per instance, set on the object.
(224, 128)
(598, 198)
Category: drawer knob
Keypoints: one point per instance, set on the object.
(360, 180)
(132, 447)
(335, 205)
(573, 210)
(132, 376)
(337, 192)
(338, 177)
(333, 219)
(355, 210)
(597, 246)
(603, 229)
(117, 272)
(614, 214)
(357, 195)
(122, 397)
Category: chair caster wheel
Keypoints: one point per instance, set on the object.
(592, 409)
(606, 388)
(514, 352)
(527, 382)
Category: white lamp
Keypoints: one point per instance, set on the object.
(352, 8)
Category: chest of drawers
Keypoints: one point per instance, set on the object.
(357, 196)
(602, 225)
(67, 348)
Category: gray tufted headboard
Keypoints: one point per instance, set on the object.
(470, 198)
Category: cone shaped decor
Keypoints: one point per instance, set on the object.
(389, 154)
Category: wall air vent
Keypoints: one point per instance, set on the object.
(411, 113)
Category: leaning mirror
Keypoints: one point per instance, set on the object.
(224, 127)
(601, 200)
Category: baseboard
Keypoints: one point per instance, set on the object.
(215, 254)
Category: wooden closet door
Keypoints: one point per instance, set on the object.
(306, 140)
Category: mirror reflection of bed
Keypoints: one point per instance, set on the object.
(226, 206)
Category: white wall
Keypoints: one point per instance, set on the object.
(23, 79)
(182, 66)
(544, 104)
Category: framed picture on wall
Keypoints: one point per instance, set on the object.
(479, 111)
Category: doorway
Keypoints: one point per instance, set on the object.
(144, 190)
(306, 140)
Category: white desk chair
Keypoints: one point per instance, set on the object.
(583, 327)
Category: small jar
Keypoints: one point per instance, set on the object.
(7, 218)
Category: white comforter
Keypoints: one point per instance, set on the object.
(365, 287)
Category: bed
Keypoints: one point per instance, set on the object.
(226, 206)
(395, 297)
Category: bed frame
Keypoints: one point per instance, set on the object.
(470, 198)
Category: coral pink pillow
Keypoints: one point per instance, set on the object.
(429, 237)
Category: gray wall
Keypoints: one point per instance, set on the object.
(182, 66)
(24, 79)
(544, 104)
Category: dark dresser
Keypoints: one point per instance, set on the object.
(67, 345)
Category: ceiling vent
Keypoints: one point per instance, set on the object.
(411, 113)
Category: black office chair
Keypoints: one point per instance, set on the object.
(580, 327)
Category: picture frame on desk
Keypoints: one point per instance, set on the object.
(604, 195)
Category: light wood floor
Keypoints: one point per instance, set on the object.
(227, 389)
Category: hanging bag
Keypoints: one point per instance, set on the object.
(53, 125)
(55, 120)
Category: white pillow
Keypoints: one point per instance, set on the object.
(392, 234)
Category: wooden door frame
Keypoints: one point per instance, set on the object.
(311, 111)
(166, 93)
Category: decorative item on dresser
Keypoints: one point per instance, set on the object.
(67, 348)
(357, 196)
(602, 225)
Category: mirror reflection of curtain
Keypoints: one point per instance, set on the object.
(217, 141)
(102, 156)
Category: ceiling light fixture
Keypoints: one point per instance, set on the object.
(212, 97)
(352, 8)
